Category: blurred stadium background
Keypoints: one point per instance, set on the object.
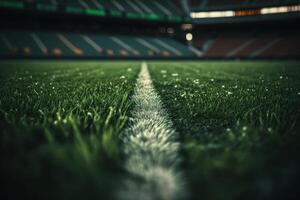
(198, 29)
(63, 123)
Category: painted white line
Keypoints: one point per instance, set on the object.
(151, 148)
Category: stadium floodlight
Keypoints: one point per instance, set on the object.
(189, 37)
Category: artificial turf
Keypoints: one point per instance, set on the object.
(238, 123)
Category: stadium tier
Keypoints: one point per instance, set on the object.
(132, 9)
(248, 44)
(46, 44)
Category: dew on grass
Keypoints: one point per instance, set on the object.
(196, 81)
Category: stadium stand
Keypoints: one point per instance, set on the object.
(248, 44)
(50, 44)
(148, 29)
(132, 9)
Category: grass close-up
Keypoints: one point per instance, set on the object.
(62, 126)
(59, 127)
(239, 126)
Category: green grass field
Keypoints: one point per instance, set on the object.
(60, 125)
(239, 124)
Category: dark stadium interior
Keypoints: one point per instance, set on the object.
(149, 99)
(27, 26)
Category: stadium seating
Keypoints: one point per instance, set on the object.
(248, 44)
(132, 9)
(46, 44)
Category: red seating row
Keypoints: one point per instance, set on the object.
(248, 44)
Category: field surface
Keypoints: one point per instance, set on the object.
(239, 124)
(62, 123)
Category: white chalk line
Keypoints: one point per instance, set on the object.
(151, 148)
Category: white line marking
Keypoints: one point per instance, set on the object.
(151, 148)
